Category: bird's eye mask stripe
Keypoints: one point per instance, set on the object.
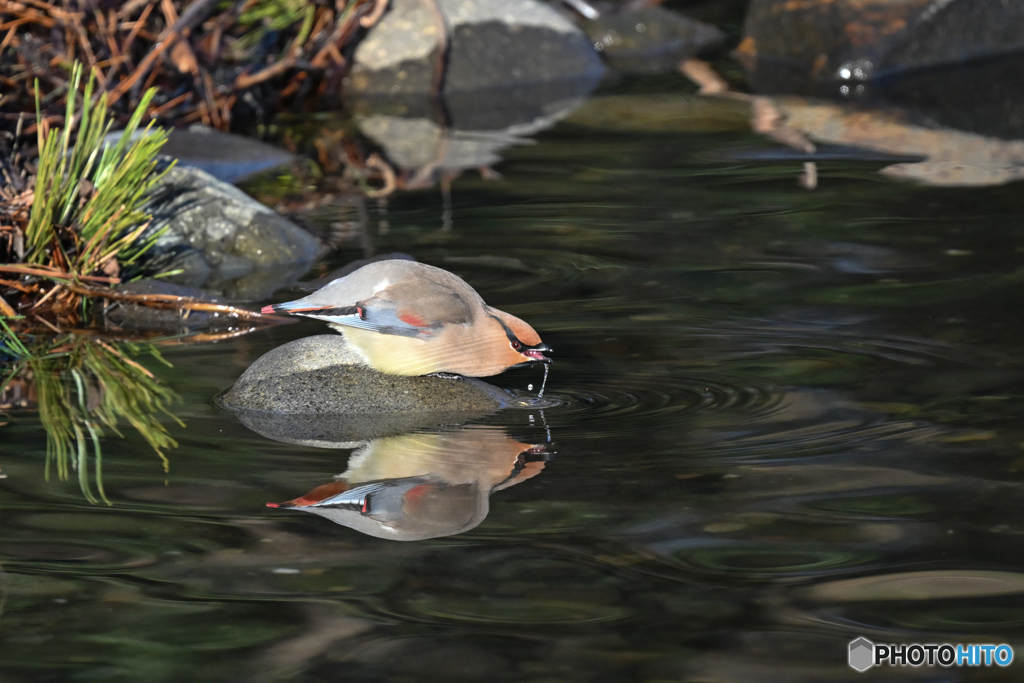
(508, 333)
(521, 347)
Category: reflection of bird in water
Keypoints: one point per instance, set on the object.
(408, 318)
(417, 486)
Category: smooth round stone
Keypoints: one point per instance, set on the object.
(318, 391)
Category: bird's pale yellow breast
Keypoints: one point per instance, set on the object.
(394, 354)
(478, 350)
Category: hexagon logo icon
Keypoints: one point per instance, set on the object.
(862, 654)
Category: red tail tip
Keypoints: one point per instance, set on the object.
(267, 309)
(273, 505)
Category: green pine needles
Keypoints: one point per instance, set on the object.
(86, 207)
(85, 222)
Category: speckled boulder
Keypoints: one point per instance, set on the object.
(223, 240)
(324, 376)
(476, 44)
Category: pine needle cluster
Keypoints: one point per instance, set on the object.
(85, 213)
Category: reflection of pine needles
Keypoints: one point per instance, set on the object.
(85, 387)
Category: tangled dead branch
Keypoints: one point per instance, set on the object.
(208, 61)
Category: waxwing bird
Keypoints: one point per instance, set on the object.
(408, 318)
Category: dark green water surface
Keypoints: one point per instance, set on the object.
(785, 419)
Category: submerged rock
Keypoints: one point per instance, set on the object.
(663, 113)
(222, 239)
(469, 45)
(650, 40)
(318, 391)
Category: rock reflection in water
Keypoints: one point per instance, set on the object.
(951, 157)
(426, 145)
(418, 486)
(962, 119)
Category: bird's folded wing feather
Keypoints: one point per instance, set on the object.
(407, 309)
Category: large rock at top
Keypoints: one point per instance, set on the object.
(223, 240)
(469, 45)
(834, 46)
(318, 391)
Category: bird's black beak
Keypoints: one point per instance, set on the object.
(537, 353)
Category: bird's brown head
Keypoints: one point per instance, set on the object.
(523, 343)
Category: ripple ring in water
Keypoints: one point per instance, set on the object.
(651, 407)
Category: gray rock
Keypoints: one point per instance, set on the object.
(247, 249)
(349, 430)
(508, 69)
(957, 32)
(495, 52)
(650, 40)
(227, 157)
(193, 269)
(402, 53)
(317, 390)
(489, 44)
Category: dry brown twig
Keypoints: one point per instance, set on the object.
(5, 308)
(165, 301)
(704, 75)
(375, 14)
(376, 163)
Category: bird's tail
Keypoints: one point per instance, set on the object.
(305, 307)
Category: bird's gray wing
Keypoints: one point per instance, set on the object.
(410, 309)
